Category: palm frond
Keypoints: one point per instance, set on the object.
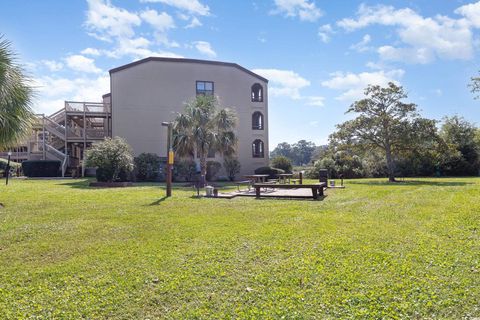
(16, 95)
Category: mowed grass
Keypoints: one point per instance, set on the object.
(372, 250)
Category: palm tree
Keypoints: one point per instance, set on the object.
(204, 127)
(15, 98)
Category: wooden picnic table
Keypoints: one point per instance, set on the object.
(317, 188)
(283, 177)
(256, 178)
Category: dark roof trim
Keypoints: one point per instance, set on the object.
(218, 63)
(106, 95)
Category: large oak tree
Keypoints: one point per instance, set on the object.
(384, 122)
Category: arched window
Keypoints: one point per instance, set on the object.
(257, 149)
(257, 121)
(257, 93)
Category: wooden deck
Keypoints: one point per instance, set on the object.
(270, 193)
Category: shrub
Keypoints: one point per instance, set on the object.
(14, 166)
(148, 167)
(184, 169)
(213, 167)
(232, 167)
(283, 163)
(326, 163)
(41, 168)
(113, 159)
(272, 172)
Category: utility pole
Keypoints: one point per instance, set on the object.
(170, 156)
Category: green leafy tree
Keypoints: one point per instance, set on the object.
(475, 86)
(112, 157)
(15, 98)
(461, 137)
(283, 163)
(282, 149)
(384, 123)
(303, 151)
(232, 167)
(204, 127)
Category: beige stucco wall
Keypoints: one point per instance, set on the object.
(145, 95)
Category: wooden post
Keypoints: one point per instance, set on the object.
(300, 177)
(170, 156)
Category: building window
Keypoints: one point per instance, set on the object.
(257, 93)
(257, 149)
(204, 88)
(257, 121)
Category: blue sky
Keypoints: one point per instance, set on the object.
(319, 55)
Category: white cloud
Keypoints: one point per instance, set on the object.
(287, 83)
(52, 65)
(324, 32)
(284, 82)
(106, 21)
(471, 12)
(52, 92)
(205, 48)
(353, 84)
(303, 9)
(362, 46)
(316, 101)
(424, 38)
(313, 123)
(191, 6)
(194, 23)
(161, 22)
(90, 52)
(81, 63)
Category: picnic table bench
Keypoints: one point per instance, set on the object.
(244, 182)
(317, 188)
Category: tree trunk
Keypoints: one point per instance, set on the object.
(390, 164)
(203, 165)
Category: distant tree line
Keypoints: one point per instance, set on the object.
(299, 153)
(389, 138)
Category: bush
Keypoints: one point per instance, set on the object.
(148, 167)
(14, 166)
(232, 167)
(272, 172)
(113, 159)
(184, 170)
(213, 167)
(283, 163)
(41, 168)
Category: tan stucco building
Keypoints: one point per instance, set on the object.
(153, 90)
(145, 93)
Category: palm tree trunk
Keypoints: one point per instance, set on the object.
(203, 164)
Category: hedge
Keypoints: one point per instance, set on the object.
(41, 168)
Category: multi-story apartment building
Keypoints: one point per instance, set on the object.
(145, 93)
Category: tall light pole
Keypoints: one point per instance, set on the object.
(170, 156)
(8, 167)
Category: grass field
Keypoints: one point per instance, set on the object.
(373, 250)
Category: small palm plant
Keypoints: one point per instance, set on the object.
(15, 99)
(204, 127)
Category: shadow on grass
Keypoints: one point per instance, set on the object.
(408, 183)
(320, 198)
(157, 202)
(78, 183)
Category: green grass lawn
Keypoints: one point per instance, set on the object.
(373, 250)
